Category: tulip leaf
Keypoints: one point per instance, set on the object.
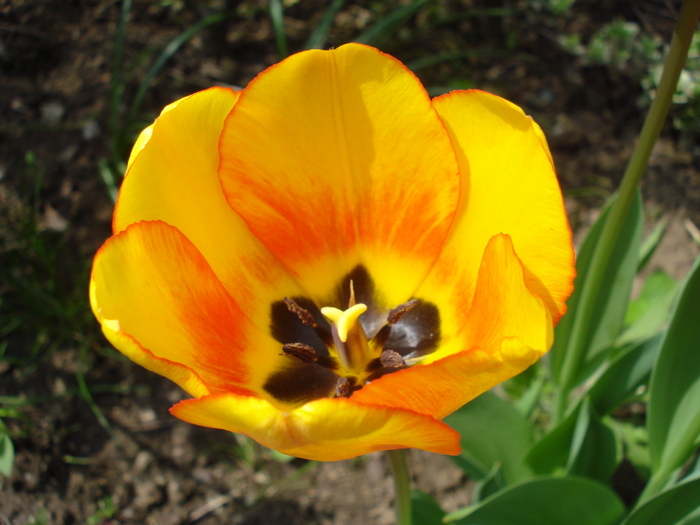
(580, 445)
(670, 507)
(7, 453)
(650, 244)
(673, 418)
(489, 484)
(554, 501)
(625, 374)
(650, 310)
(425, 510)
(551, 453)
(493, 432)
(594, 447)
(611, 302)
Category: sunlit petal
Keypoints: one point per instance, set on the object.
(325, 430)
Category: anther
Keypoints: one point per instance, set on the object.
(401, 309)
(391, 359)
(301, 313)
(301, 351)
(345, 387)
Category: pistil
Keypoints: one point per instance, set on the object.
(349, 337)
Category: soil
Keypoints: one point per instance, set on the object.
(94, 440)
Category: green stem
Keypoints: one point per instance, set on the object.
(402, 485)
(688, 20)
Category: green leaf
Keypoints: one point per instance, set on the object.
(7, 454)
(493, 432)
(669, 507)
(611, 303)
(580, 445)
(625, 374)
(318, 37)
(673, 419)
(426, 511)
(550, 501)
(646, 314)
(387, 25)
(650, 244)
(594, 449)
(551, 453)
(489, 484)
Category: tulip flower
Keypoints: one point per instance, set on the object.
(329, 261)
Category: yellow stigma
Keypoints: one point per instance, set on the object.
(344, 320)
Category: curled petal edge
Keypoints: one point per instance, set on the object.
(324, 430)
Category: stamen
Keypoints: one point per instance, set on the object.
(301, 351)
(343, 388)
(391, 359)
(302, 313)
(346, 386)
(401, 309)
(351, 301)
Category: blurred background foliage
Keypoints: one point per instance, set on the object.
(82, 78)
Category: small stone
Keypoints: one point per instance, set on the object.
(52, 113)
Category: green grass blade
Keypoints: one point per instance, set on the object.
(7, 453)
(388, 24)
(110, 181)
(165, 55)
(277, 18)
(317, 38)
(449, 56)
(116, 80)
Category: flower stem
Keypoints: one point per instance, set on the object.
(402, 485)
(687, 22)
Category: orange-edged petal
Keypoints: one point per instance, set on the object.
(150, 285)
(337, 158)
(503, 331)
(324, 430)
(509, 186)
(172, 177)
(184, 377)
(443, 386)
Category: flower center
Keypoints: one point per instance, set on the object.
(333, 351)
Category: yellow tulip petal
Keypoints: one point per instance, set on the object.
(337, 158)
(509, 186)
(149, 284)
(324, 430)
(172, 177)
(184, 377)
(504, 331)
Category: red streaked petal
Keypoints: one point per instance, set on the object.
(337, 158)
(151, 284)
(172, 177)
